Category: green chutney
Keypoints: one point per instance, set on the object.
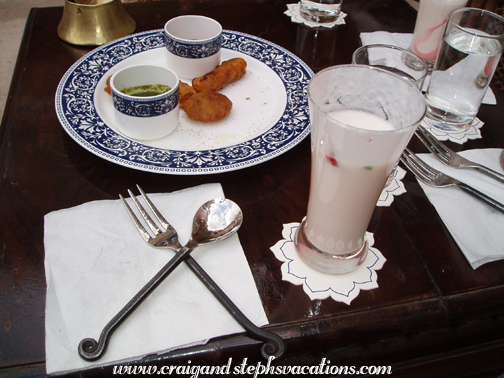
(148, 90)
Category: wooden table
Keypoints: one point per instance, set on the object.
(432, 313)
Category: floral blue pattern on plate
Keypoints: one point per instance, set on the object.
(78, 112)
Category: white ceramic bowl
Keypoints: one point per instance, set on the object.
(193, 45)
(145, 118)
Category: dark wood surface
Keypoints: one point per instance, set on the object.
(432, 315)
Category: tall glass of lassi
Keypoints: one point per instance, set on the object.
(430, 27)
(362, 118)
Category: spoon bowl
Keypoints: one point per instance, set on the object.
(216, 220)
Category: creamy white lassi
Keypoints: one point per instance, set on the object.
(361, 117)
(430, 26)
(344, 192)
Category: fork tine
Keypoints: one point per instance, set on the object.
(155, 211)
(420, 134)
(143, 232)
(434, 145)
(420, 164)
(437, 143)
(414, 168)
(145, 215)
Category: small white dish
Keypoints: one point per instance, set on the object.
(193, 45)
(150, 117)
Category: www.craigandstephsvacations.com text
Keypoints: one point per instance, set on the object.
(254, 370)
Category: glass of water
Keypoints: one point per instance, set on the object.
(394, 59)
(467, 59)
(320, 10)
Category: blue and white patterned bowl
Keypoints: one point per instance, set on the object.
(145, 118)
(193, 45)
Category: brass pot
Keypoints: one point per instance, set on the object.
(94, 22)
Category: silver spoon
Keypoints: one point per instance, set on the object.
(501, 159)
(214, 221)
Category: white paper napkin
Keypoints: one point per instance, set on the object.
(397, 39)
(404, 40)
(96, 261)
(476, 227)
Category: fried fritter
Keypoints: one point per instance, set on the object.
(207, 106)
(185, 91)
(107, 88)
(228, 72)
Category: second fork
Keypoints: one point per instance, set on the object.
(432, 177)
(451, 158)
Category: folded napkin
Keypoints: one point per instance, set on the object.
(404, 40)
(96, 261)
(397, 39)
(475, 226)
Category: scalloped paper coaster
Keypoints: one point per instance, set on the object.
(460, 138)
(394, 188)
(293, 12)
(340, 287)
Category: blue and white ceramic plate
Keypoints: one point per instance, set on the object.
(269, 114)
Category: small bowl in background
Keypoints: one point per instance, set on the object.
(193, 44)
(150, 117)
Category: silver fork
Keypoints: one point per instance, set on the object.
(274, 345)
(435, 178)
(450, 157)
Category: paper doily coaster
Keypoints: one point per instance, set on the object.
(460, 138)
(293, 12)
(342, 287)
(394, 188)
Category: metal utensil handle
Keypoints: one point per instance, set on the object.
(90, 349)
(483, 197)
(274, 346)
(490, 172)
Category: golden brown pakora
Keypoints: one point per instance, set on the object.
(107, 88)
(185, 91)
(228, 72)
(207, 106)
